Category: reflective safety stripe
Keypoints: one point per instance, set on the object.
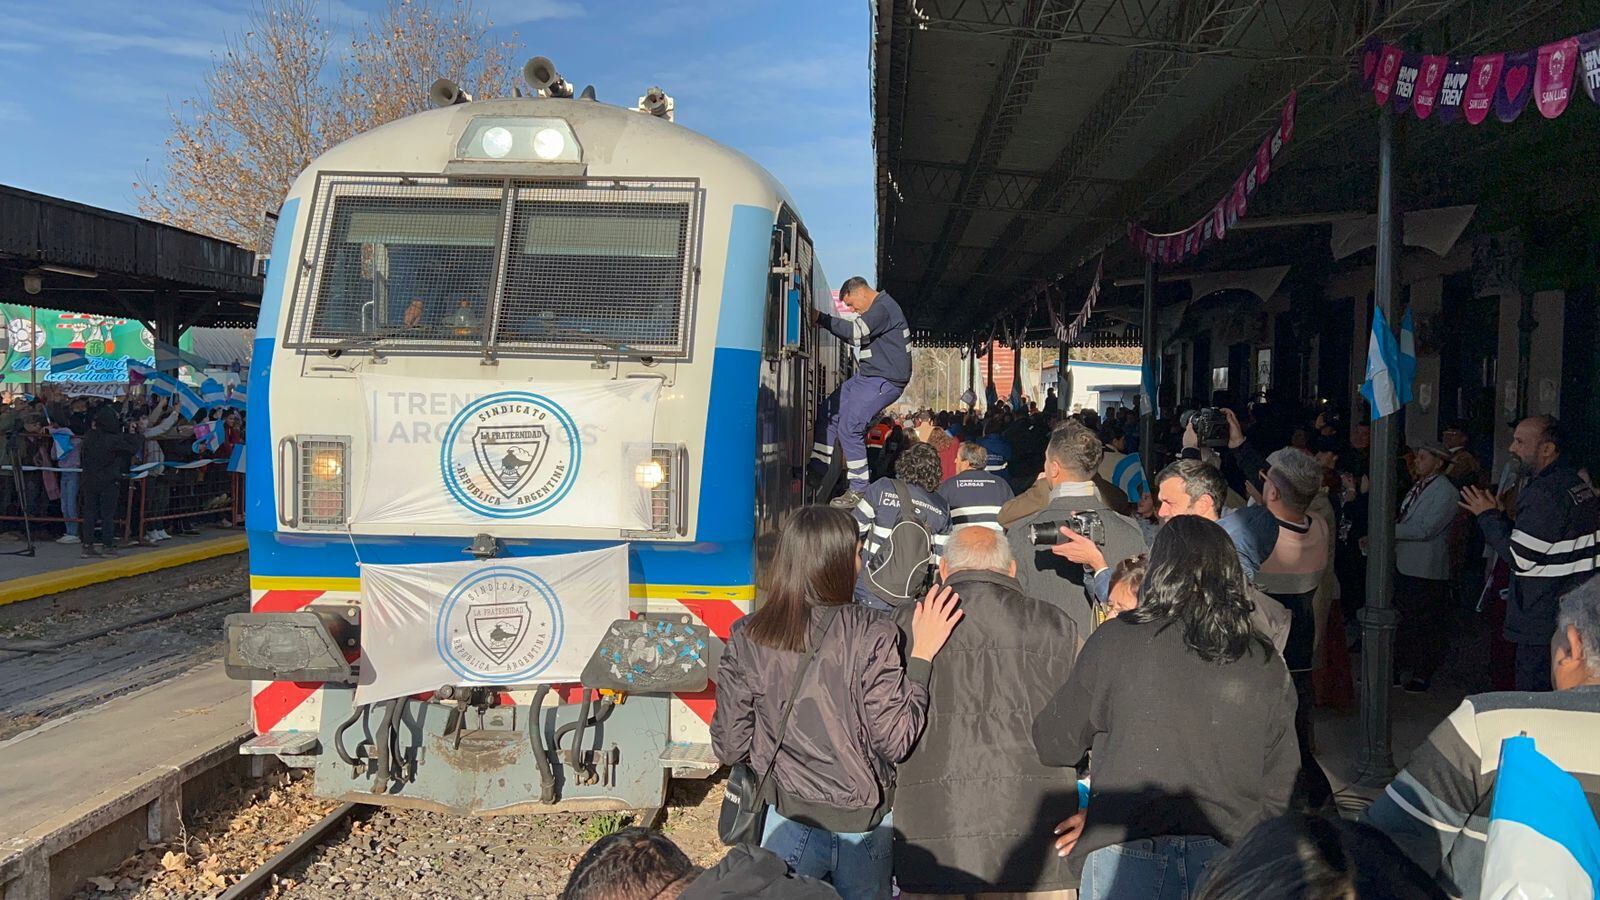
(1532, 543)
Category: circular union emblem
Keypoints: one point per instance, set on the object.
(500, 624)
(509, 454)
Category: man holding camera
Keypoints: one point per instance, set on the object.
(1070, 461)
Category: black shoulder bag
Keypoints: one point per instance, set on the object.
(744, 810)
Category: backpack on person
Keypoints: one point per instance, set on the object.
(901, 568)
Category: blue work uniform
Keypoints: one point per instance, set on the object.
(999, 450)
(975, 498)
(876, 514)
(881, 340)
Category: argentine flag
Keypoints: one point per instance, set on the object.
(65, 359)
(236, 459)
(1408, 358)
(189, 402)
(1543, 839)
(1383, 367)
(212, 392)
(238, 397)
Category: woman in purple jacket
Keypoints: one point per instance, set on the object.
(857, 712)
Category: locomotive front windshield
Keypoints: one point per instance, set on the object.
(432, 266)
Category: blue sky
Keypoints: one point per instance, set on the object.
(90, 84)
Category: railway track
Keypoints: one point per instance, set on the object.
(261, 877)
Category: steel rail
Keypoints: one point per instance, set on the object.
(260, 878)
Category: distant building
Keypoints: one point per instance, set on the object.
(1097, 386)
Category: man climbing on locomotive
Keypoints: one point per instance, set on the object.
(880, 336)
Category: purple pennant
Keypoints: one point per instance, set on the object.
(1405, 83)
(1589, 55)
(1452, 89)
(1516, 85)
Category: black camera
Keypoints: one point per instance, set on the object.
(1086, 522)
(1210, 425)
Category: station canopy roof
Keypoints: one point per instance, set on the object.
(1016, 140)
(92, 260)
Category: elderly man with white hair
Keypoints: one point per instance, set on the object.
(1437, 810)
(974, 807)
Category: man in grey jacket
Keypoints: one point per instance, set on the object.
(1070, 461)
(975, 808)
(1422, 556)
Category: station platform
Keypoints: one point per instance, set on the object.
(117, 767)
(61, 567)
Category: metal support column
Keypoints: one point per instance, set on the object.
(1526, 323)
(1063, 377)
(1150, 374)
(1378, 616)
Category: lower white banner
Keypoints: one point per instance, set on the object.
(496, 452)
(522, 620)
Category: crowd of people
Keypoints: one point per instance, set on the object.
(107, 473)
(1103, 687)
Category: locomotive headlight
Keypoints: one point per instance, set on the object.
(659, 471)
(327, 465)
(497, 142)
(534, 139)
(548, 143)
(649, 475)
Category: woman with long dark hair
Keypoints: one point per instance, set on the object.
(1187, 714)
(857, 711)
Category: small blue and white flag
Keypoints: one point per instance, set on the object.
(236, 459)
(65, 359)
(207, 437)
(212, 392)
(189, 402)
(1408, 358)
(62, 439)
(1543, 838)
(238, 397)
(1383, 364)
(1149, 388)
(161, 384)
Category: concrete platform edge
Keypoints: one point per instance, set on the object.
(32, 586)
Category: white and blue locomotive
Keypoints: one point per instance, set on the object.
(528, 241)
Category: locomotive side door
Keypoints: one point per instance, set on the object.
(784, 434)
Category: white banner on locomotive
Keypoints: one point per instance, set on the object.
(499, 452)
(522, 620)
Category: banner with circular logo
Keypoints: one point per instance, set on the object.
(517, 620)
(494, 452)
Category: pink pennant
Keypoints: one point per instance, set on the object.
(1264, 161)
(1481, 84)
(1369, 60)
(1429, 80)
(1286, 124)
(1552, 77)
(1219, 220)
(1388, 71)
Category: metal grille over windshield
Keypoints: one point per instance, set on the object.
(424, 264)
(597, 264)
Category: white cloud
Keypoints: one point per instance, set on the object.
(519, 12)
